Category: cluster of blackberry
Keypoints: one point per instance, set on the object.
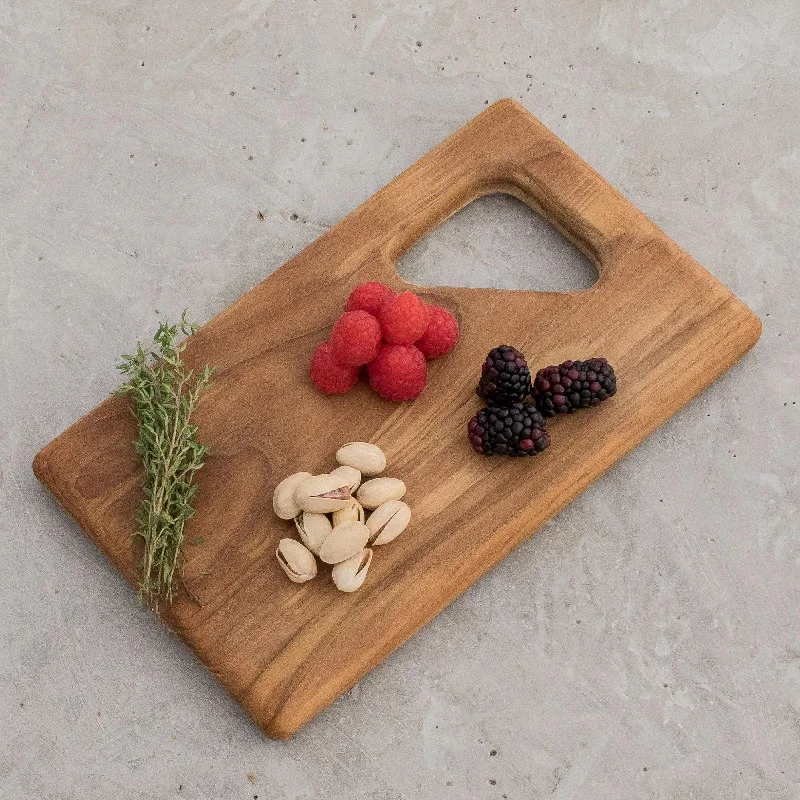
(512, 426)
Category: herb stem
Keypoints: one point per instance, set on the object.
(163, 398)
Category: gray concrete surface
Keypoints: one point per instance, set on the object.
(646, 644)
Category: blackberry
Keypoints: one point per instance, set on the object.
(505, 377)
(517, 430)
(572, 385)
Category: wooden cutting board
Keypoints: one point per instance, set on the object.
(285, 651)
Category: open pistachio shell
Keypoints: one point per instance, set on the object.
(355, 511)
(378, 491)
(369, 459)
(350, 473)
(349, 575)
(313, 529)
(323, 494)
(283, 502)
(388, 521)
(296, 561)
(343, 541)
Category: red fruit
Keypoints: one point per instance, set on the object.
(399, 372)
(356, 338)
(368, 297)
(404, 318)
(441, 335)
(330, 376)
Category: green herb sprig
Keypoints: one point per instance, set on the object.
(163, 397)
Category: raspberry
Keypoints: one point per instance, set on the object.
(398, 373)
(441, 335)
(328, 375)
(368, 297)
(404, 318)
(356, 338)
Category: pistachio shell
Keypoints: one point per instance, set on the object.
(388, 521)
(350, 574)
(343, 541)
(323, 494)
(355, 511)
(379, 491)
(283, 502)
(367, 458)
(349, 473)
(296, 561)
(313, 529)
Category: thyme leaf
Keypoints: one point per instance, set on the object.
(163, 397)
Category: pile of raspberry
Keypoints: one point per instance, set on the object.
(389, 334)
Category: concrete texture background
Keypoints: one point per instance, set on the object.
(647, 642)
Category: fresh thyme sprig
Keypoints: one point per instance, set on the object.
(163, 397)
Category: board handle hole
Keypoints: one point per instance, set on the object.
(496, 241)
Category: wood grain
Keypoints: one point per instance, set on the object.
(286, 651)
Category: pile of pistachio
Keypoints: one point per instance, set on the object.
(330, 517)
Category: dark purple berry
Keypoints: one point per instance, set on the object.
(516, 430)
(567, 387)
(505, 377)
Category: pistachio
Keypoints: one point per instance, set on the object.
(348, 575)
(349, 473)
(312, 529)
(368, 458)
(296, 561)
(378, 491)
(388, 521)
(323, 494)
(355, 511)
(343, 541)
(283, 500)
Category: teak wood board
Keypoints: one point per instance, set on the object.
(285, 651)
